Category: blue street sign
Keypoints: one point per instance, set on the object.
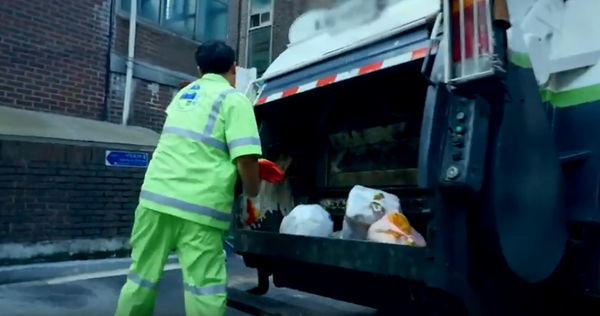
(126, 159)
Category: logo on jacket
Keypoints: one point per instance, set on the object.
(188, 101)
(189, 96)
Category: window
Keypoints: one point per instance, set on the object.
(147, 9)
(201, 20)
(180, 16)
(215, 20)
(260, 13)
(259, 35)
(259, 49)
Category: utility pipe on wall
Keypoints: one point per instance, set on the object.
(130, 57)
(107, 73)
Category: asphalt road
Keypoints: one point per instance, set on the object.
(97, 294)
(94, 296)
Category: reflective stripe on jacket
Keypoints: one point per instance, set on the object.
(192, 173)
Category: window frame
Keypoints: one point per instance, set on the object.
(270, 11)
(253, 29)
(160, 24)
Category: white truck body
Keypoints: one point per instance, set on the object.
(550, 36)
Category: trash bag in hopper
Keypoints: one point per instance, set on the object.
(364, 207)
(394, 228)
(307, 220)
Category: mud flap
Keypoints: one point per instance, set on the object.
(524, 189)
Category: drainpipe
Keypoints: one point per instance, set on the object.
(130, 57)
(111, 34)
(239, 32)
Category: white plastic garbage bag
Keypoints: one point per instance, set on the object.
(394, 228)
(307, 220)
(364, 207)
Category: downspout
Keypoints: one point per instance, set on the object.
(239, 32)
(130, 57)
(111, 32)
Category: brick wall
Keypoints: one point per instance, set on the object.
(149, 102)
(52, 55)
(156, 46)
(52, 192)
(162, 48)
(53, 58)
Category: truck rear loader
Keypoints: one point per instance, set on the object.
(482, 116)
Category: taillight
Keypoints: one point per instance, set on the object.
(471, 37)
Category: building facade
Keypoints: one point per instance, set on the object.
(59, 196)
(61, 62)
(264, 26)
(70, 57)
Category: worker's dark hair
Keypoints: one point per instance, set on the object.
(214, 57)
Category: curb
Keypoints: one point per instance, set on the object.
(43, 271)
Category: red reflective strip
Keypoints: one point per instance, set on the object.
(326, 81)
(370, 68)
(261, 100)
(288, 92)
(419, 53)
(422, 52)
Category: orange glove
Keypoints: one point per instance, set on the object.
(269, 171)
(253, 213)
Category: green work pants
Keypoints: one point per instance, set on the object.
(200, 254)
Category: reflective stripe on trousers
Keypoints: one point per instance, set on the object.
(196, 290)
(206, 136)
(185, 206)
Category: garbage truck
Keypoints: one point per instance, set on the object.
(481, 116)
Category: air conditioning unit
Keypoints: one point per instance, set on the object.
(260, 19)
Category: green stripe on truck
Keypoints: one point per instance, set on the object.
(562, 99)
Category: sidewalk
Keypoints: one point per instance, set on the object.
(42, 271)
(240, 279)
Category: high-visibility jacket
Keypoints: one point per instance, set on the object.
(192, 173)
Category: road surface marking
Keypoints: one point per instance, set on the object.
(103, 274)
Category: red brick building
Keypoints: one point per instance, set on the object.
(66, 57)
(64, 61)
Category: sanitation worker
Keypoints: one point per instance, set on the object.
(209, 136)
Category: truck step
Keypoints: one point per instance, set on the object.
(378, 258)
